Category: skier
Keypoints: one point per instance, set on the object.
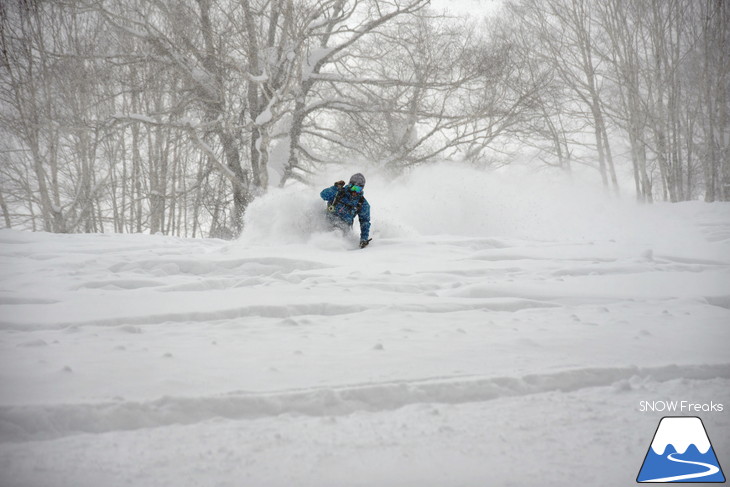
(346, 201)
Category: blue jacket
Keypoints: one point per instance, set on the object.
(346, 209)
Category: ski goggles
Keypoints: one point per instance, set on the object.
(356, 188)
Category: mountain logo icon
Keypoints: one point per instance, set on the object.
(681, 452)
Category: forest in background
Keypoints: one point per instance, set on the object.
(172, 116)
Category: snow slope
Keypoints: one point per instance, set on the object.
(485, 338)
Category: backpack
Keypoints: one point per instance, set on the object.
(340, 193)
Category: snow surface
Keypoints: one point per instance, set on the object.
(498, 331)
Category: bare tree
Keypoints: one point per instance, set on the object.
(715, 83)
(47, 112)
(565, 37)
(335, 27)
(622, 23)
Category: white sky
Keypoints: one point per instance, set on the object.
(468, 7)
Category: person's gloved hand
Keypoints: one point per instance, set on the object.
(340, 184)
(364, 243)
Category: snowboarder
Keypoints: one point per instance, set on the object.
(346, 201)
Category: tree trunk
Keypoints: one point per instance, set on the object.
(241, 195)
(6, 213)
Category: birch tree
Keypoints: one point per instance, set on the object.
(623, 25)
(46, 114)
(564, 31)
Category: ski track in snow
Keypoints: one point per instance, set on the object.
(23, 423)
(111, 335)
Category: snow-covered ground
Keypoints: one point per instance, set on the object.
(484, 338)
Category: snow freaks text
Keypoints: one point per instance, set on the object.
(679, 407)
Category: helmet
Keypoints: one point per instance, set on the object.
(357, 179)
